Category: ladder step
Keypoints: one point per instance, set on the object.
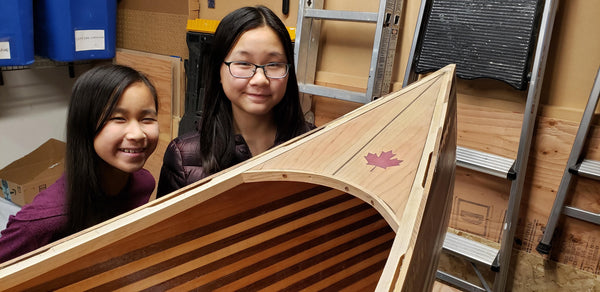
(582, 214)
(476, 252)
(341, 15)
(588, 168)
(332, 92)
(485, 162)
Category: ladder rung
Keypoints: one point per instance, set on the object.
(333, 92)
(476, 252)
(485, 162)
(588, 168)
(341, 15)
(582, 214)
(458, 282)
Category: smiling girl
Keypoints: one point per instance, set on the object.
(251, 101)
(112, 129)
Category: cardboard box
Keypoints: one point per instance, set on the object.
(23, 179)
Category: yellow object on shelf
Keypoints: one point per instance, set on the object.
(209, 26)
(202, 25)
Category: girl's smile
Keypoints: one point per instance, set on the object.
(131, 133)
(255, 96)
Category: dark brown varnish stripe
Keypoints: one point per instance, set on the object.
(348, 234)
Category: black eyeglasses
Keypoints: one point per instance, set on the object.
(240, 69)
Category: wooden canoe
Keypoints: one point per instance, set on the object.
(361, 203)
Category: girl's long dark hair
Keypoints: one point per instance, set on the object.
(217, 143)
(93, 99)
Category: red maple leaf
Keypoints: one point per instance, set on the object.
(383, 160)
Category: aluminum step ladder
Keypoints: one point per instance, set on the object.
(512, 170)
(576, 165)
(306, 48)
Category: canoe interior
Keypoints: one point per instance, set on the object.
(265, 235)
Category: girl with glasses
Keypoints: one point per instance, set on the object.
(251, 100)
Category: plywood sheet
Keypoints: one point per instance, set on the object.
(577, 242)
(153, 32)
(480, 200)
(171, 7)
(529, 272)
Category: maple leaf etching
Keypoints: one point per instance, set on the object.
(384, 160)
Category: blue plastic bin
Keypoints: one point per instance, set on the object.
(16, 32)
(71, 30)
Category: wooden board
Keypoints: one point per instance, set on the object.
(172, 7)
(166, 75)
(153, 32)
(361, 203)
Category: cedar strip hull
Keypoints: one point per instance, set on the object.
(361, 203)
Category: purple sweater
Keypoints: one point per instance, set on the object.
(40, 222)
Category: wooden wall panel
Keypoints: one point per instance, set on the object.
(480, 203)
(577, 242)
(153, 32)
(172, 7)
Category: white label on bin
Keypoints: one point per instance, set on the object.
(88, 40)
(4, 50)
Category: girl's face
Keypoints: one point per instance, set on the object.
(131, 133)
(259, 94)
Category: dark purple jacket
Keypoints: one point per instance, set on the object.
(182, 164)
(41, 221)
